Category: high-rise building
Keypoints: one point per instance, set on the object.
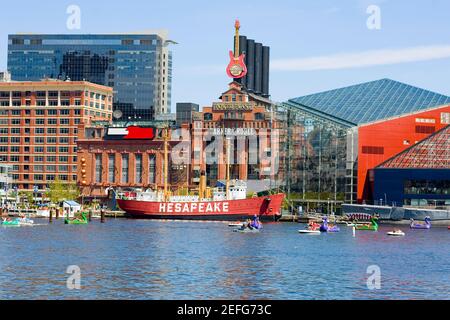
(257, 59)
(39, 128)
(137, 65)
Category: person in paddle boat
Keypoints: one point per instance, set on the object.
(248, 224)
(255, 223)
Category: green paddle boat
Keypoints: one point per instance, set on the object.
(82, 220)
(11, 223)
(372, 226)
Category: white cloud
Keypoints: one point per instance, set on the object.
(363, 59)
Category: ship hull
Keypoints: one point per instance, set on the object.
(267, 208)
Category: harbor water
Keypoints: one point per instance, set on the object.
(143, 259)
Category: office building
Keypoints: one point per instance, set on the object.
(137, 65)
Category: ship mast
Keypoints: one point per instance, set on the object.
(166, 162)
(227, 187)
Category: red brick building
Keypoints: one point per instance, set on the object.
(251, 124)
(106, 162)
(39, 127)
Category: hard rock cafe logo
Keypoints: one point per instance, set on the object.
(236, 68)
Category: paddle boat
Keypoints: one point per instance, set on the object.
(372, 226)
(254, 226)
(325, 227)
(313, 228)
(10, 223)
(76, 221)
(421, 225)
(396, 233)
(17, 222)
(24, 221)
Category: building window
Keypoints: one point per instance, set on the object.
(125, 163)
(152, 169)
(259, 116)
(138, 161)
(372, 150)
(425, 129)
(111, 168)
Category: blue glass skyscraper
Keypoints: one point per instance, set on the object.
(137, 66)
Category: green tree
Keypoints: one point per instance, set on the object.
(60, 191)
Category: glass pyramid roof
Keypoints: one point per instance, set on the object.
(431, 153)
(370, 101)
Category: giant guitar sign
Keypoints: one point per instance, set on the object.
(236, 68)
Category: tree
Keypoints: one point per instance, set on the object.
(60, 191)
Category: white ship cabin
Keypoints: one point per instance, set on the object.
(237, 191)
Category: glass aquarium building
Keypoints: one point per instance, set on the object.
(323, 145)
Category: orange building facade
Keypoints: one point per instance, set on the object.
(381, 140)
(39, 128)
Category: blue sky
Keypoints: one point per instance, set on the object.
(315, 45)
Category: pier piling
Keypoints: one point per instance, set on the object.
(57, 213)
(90, 215)
(102, 216)
(50, 216)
